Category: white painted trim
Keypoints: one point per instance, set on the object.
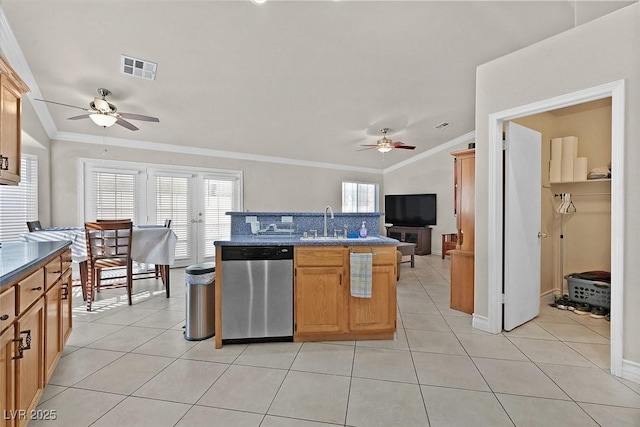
(445, 146)
(172, 148)
(618, 227)
(13, 54)
(480, 322)
(631, 371)
(615, 90)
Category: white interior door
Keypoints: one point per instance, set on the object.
(522, 232)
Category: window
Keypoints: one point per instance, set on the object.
(194, 199)
(19, 204)
(359, 197)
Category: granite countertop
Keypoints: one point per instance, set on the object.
(18, 257)
(299, 241)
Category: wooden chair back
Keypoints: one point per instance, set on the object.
(167, 223)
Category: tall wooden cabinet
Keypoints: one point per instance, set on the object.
(462, 258)
(11, 89)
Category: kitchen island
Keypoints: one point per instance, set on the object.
(322, 306)
(35, 322)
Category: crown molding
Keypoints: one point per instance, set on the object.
(445, 146)
(198, 151)
(12, 52)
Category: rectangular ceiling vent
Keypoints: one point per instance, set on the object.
(138, 67)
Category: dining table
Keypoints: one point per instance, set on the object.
(150, 244)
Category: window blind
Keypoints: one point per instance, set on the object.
(114, 195)
(218, 198)
(172, 202)
(19, 204)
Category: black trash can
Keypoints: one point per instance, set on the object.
(200, 287)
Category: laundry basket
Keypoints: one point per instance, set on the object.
(583, 287)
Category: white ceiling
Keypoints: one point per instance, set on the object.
(303, 80)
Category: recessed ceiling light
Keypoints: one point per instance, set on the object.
(441, 125)
(258, 1)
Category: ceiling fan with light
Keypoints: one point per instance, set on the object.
(384, 145)
(104, 113)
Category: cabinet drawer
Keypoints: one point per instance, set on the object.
(52, 271)
(382, 255)
(30, 289)
(319, 256)
(7, 307)
(66, 260)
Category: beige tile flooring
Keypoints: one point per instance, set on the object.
(130, 366)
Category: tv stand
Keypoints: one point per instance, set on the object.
(421, 236)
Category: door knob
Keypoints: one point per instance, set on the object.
(543, 235)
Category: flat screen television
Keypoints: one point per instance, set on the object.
(410, 210)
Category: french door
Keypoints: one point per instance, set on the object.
(194, 200)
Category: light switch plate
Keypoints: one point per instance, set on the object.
(250, 219)
(287, 219)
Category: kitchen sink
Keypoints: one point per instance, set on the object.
(332, 238)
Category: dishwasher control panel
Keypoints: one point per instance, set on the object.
(247, 253)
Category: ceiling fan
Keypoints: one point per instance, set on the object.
(104, 113)
(384, 145)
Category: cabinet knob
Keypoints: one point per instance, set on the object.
(4, 317)
(543, 235)
(39, 288)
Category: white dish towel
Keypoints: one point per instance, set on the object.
(361, 272)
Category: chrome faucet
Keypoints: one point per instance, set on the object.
(328, 208)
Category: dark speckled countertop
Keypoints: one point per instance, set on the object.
(18, 257)
(298, 241)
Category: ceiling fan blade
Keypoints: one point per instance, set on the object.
(403, 145)
(368, 145)
(368, 148)
(126, 124)
(139, 117)
(83, 116)
(60, 103)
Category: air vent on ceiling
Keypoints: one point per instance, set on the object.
(138, 67)
(441, 125)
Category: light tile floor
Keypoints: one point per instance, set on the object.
(130, 366)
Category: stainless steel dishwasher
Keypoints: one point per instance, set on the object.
(257, 293)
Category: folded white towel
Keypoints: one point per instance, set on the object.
(361, 266)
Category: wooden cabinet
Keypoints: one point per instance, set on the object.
(35, 322)
(7, 377)
(378, 313)
(324, 308)
(30, 359)
(11, 90)
(421, 236)
(462, 258)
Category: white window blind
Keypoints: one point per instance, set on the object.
(114, 195)
(172, 202)
(19, 204)
(218, 198)
(359, 197)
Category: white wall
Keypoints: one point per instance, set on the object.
(433, 174)
(267, 186)
(598, 52)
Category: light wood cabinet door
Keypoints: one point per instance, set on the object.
(6, 378)
(9, 131)
(53, 329)
(377, 313)
(30, 366)
(66, 307)
(319, 299)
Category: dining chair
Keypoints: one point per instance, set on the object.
(108, 248)
(34, 226)
(167, 224)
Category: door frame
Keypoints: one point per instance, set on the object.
(615, 90)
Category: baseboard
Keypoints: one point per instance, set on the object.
(548, 297)
(631, 371)
(480, 322)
